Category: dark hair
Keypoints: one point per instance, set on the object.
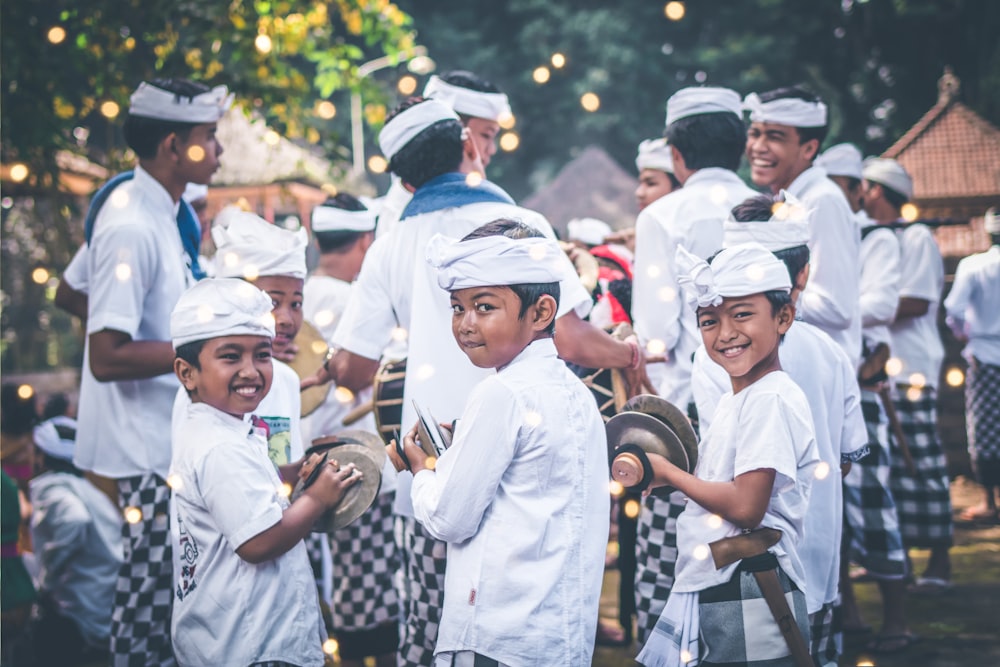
(342, 240)
(435, 151)
(466, 79)
(778, 300)
(894, 197)
(18, 415)
(143, 135)
(56, 406)
(995, 239)
(759, 208)
(528, 293)
(709, 140)
(799, 93)
(189, 352)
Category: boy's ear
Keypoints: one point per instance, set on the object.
(545, 312)
(168, 146)
(785, 317)
(186, 373)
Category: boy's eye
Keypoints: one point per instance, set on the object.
(296, 305)
(483, 307)
(743, 314)
(706, 322)
(456, 309)
(264, 355)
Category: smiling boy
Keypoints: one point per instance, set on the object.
(754, 470)
(521, 495)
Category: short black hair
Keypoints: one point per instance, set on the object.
(778, 300)
(189, 352)
(709, 140)
(465, 79)
(759, 208)
(18, 415)
(55, 406)
(143, 135)
(799, 92)
(894, 197)
(528, 293)
(342, 240)
(435, 151)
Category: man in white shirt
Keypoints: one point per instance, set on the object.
(973, 308)
(921, 492)
(137, 268)
(705, 135)
(787, 127)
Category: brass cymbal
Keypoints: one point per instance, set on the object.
(633, 435)
(354, 437)
(311, 354)
(359, 497)
(672, 417)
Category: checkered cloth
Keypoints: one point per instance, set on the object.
(825, 628)
(656, 555)
(871, 524)
(140, 618)
(423, 560)
(982, 420)
(922, 499)
(364, 564)
(737, 627)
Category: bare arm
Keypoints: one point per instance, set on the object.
(580, 342)
(912, 307)
(70, 300)
(115, 356)
(348, 370)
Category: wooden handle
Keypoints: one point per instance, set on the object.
(358, 412)
(627, 469)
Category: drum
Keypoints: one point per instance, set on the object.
(387, 389)
(311, 354)
(607, 384)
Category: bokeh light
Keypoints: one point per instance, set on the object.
(893, 367)
(263, 43)
(40, 275)
(909, 212)
(377, 164)
(18, 172)
(407, 85)
(558, 60)
(326, 110)
(674, 10)
(343, 395)
(509, 141)
(954, 377)
(541, 74)
(56, 34)
(590, 102)
(473, 179)
(25, 391)
(110, 109)
(132, 515)
(631, 508)
(196, 153)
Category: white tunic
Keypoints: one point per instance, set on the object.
(227, 611)
(974, 304)
(137, 270)
(879, 283)
(831, 297)
(767, 425)
(521, 497)
(396, 287)
(825, 375)
(691, 217)
(915, 340)
(75, 274)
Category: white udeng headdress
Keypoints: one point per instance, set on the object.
(698, 100)
(491, 106)
(785, 111)
(410, 122)
(218, 307)
(889, 173)
(495, 260)
(841, 160)
(788, 227)
(655, 154)
(248, 246)
(333, 219)
(148, 101)
(741, 270)
(590, 231)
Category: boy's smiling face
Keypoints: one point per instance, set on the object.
(286, 294)
(235, 373)
(742, 335)
(777, 154)
(486, 325)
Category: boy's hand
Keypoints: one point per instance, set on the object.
(332, 482)
(416, 456)
(288, 354)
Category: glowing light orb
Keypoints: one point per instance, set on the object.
(25, 391)
(343, 394)
(196, 153)
(377, 164)
(909, 212)
(123, 272)
(110, 109)
(590, 102)
(558, 60)
(40, 275)
(56, 34)
(894, 366)
(18, 172)
(674, 10)
(133, 514)
(509, 141)
(407, 85)
(541, 75)
(263, 43)
(954, 377)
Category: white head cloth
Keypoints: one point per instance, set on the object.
(491, 106)
(991, 221)
(194, 191)
(409, 123)
(248, 246)
(494, 260)
(698, 100)
(655, 154)
(49, 440)
(148, 101)
(785, 111)
(788, 227)
(741, 270)
(587, 230)
(218, 307)
(889, 173)
(841, 160)
(334, 219)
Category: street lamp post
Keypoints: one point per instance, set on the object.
(418, 63)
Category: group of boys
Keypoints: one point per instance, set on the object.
(501, 540)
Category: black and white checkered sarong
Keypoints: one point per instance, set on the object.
(827, 638)
(423, 560)
(656, 555)
(140, 618)
(982, 420)
(922, 499)
(871, 524)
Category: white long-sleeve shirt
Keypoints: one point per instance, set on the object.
(521, 497)
(973, 305)
(879, 282)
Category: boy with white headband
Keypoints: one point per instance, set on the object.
(755, 469)
(526, 552)
(137, 268)
(237, 540)
(706, 136)
(787, 128)
(824, 373)
(656, 172)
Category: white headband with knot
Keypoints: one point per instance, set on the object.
(495, 260)
(491, 106)
(785, 111)
(787, 227)
(410, 122)
(148, 101)
(56, 437)
(841, 160)
(697, 100)
(248, 246)
(590, 231)
(741, 270)
(888, 172)
(655, 154)
(217, 307)
(333, 219)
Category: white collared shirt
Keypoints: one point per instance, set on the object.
(137, 270)
(879, 282)
(691, 217)
(75, 273)
(974, 301)
(915, 340)
(521, 497)
(831, 299)
(826, 376)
